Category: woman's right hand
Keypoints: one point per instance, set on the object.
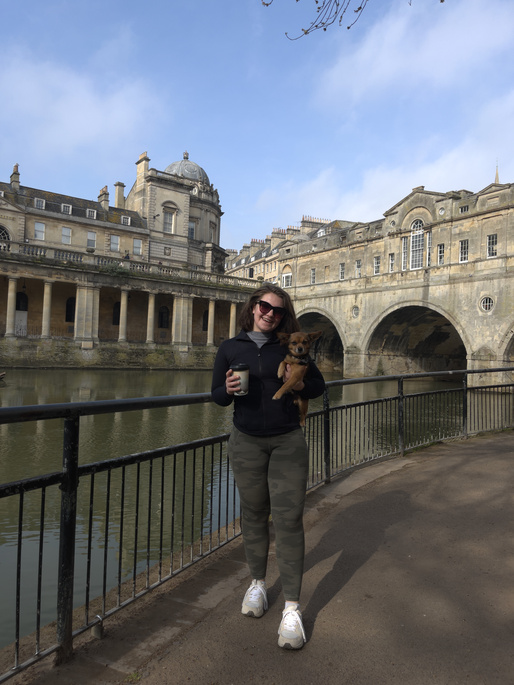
(232, 382)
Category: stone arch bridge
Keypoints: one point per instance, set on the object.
(412, 321)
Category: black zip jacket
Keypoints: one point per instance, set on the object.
(256, 413)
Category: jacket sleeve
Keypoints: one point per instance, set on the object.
(218, 390)
(314, 383)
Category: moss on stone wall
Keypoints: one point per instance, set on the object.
(25, 353)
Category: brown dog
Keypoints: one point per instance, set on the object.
(299, 345)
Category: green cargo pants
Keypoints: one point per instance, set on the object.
(271, 477)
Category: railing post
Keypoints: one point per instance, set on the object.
(401, 427)
(326, 436)
(465, 405)
(69, 489)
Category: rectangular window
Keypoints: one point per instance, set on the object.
(376, 266)
(313, 276)
(91, 239)
(66, 209)
(115, 243)
(463, 250)
(191, 230)
(66, 235)
(492, 245)
(391, 262)
(91, 213)
(405, 252)
(429, 248)
(125, 221)
(440, 254)
(416, 250)
(39, 230)
(341, 271)
(287, 280)
(464, 209)
(168, 221)
(39, 203)
(358, 268)
(137, 248)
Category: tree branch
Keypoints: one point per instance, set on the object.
(330, 11)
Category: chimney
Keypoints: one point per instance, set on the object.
(103, 199)
(15, 178)
(142, 164)
(119, 197)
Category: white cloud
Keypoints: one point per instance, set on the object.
(468, 164)
(62, 111)
(419, 47)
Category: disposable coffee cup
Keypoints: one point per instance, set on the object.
(243, 371)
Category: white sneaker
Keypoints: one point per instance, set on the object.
(291, 634)
(255, 602)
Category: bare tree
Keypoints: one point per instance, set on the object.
(330, 11)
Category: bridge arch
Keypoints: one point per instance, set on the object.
(414, 336)
(329, 349)
(507, 345)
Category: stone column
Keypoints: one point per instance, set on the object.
(96, 313)
(47, 309)
(11, 308)
(150, 318)
(122, 337)
(210, 323)
(182, 323)
(84, 315)
(232, 325)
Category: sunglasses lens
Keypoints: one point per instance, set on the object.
(266, 308)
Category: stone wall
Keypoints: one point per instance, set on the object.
(26, 353)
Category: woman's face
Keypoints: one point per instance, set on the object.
(265, 322)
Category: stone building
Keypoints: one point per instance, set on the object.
(427, 287)
(138, 282)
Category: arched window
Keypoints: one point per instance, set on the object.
(22, 302)
(287, 277)
(416, 244)
(163, 319)
(116, 314)
(169, 217)
(70, 310)
(4, 234)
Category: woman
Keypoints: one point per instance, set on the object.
(268, 451)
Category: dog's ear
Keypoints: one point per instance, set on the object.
(315, 335)
(283, 337)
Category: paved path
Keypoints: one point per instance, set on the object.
(409, 580)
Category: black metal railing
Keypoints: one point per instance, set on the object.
(90, 539)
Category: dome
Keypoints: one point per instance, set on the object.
(188, 169)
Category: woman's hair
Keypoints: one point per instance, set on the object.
(288, 323)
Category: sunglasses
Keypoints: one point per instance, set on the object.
(266, 308)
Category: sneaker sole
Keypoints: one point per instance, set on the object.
(290, 645)
(252, 614)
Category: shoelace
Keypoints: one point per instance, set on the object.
(255, 592)
(291, 619)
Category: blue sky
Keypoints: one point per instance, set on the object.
(337, 125)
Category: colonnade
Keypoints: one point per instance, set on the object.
(87, 315)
